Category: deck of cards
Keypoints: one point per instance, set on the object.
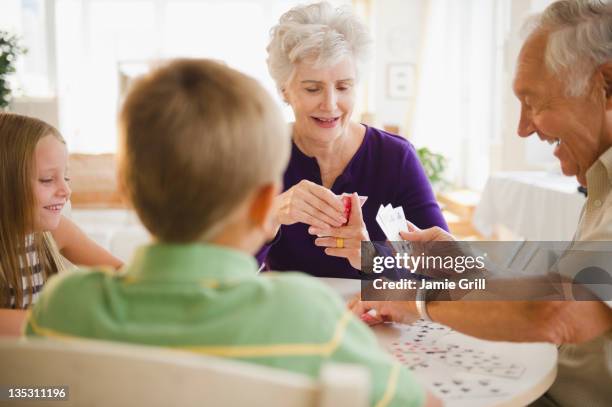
(392, 221)
(461, 372)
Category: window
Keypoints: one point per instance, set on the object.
(28, 19)
(82, 50)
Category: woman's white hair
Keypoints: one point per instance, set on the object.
(316, 32)
(579, 39)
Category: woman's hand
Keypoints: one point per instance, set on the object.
(309, 203)
(344, 241)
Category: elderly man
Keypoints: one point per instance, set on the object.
(564, 83)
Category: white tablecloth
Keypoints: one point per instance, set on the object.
(539, 361)
(117, 230)
(532, 205)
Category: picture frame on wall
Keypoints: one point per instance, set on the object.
(400, 80)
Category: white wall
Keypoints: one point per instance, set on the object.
(512, 152)
(397, 28)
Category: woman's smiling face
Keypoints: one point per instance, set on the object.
(322, 99)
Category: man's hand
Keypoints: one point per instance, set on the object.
(434, 234)
(403, 312)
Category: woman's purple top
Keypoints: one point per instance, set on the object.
(387, 170)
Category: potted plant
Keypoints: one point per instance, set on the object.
(434, 164)
(9, 51)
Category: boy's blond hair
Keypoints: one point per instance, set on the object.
(197, 138)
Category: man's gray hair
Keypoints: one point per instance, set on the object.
(579, 39)
(317, 32)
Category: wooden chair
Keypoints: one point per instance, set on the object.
(101, 373)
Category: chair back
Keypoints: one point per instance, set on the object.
(99, 373)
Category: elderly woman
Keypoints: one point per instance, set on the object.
(315, 54)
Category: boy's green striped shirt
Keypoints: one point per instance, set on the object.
(209, 299)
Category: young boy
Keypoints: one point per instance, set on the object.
(203, 149)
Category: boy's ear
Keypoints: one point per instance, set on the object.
(261, 207)
(121, 187)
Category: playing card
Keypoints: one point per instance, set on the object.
(385, 221)
(388, 214)
(479, 362)
(400, 219)
(509, 371)
(399, 225)
(380, 219)
(463, 388)
(362, 199)
(421, 331)
(418, 346)
(410, 360)
(346, 200)
(392, 221)
(420, 339)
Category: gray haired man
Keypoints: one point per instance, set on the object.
(564, 83)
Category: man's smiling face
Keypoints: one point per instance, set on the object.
(575, 124)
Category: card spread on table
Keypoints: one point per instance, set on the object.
(422, 331)
(410, 360)
(475, 361)
(426, 347)
(461, 388)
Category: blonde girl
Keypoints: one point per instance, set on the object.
(33, 233)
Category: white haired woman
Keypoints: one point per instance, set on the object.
(315, 53)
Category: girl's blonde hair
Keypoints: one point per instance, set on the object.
(18, 138)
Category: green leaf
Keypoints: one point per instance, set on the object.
(10, 50)
(434, 165)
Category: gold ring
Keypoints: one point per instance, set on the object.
(339, 242)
